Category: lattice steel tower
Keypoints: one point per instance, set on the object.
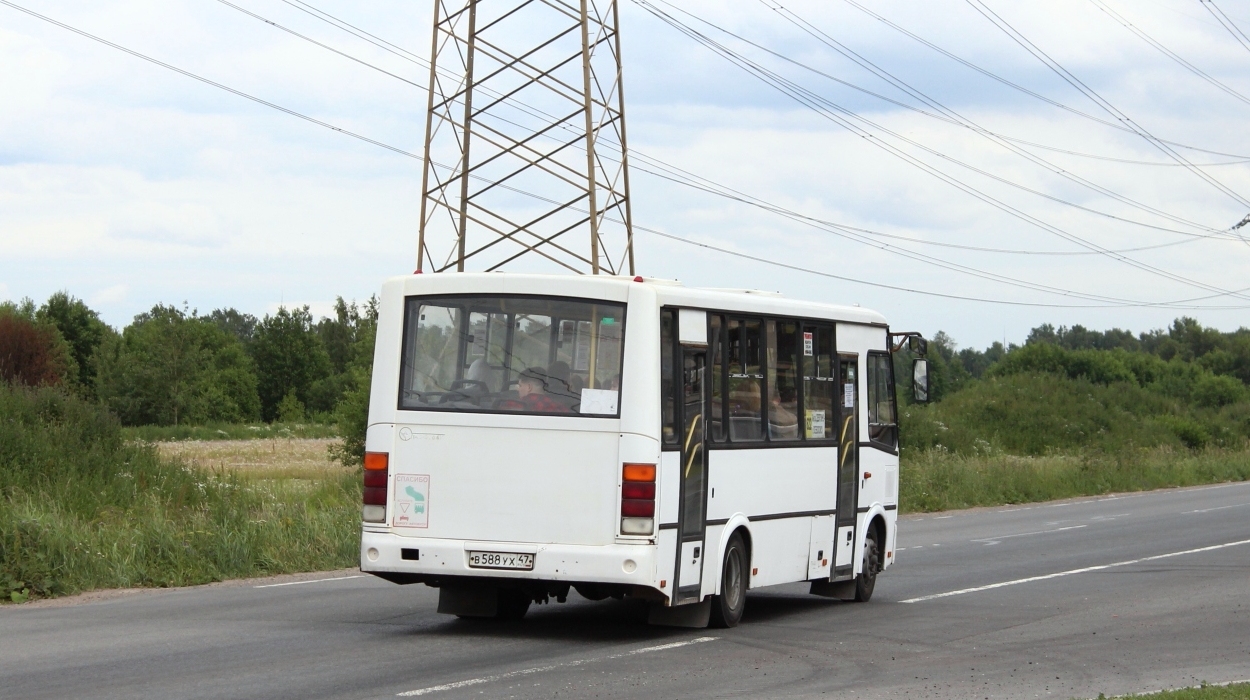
(525, 148)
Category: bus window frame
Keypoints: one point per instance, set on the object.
(723, 379)
(405, 336)
(889, 363)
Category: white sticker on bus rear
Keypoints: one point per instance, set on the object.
(411, 501)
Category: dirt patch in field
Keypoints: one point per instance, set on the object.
(280, 458)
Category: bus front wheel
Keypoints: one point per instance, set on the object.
(867, 579)
(727, 607)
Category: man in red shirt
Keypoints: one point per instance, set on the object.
(531, 388)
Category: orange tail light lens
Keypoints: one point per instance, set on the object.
(639, 472)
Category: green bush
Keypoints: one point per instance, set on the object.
(81, 508)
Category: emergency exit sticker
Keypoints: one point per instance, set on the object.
(411, 501)
(807, 344)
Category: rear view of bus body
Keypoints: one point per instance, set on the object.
(529, 434)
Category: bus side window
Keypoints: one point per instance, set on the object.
(882, 416)
(783, 392)
(668, 387)
(819, 382)
(746, 377)
(716, 419)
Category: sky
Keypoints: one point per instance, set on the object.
(127, 184)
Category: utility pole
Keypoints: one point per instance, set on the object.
(525, 147)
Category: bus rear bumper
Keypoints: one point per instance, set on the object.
(428, 560)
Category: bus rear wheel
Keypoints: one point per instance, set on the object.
(728, 606)
(867, 579)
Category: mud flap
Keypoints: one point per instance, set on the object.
(842, 590)
(689, 615)
(468, 602)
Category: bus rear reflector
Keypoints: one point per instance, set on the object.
(377, 469)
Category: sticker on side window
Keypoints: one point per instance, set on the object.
(807, 344)
(411, 501)
(848, 396)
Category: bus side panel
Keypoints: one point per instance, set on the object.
(883, 467)
(666, 559)
(668, 488)
(779, 551)
(640, 376)
(773, 481)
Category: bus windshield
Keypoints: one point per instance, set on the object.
(512, 354)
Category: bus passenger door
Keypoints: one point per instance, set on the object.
(848, 466)
(692, 517)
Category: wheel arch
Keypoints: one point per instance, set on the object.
(712, 567)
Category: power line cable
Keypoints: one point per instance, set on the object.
(1123, 21)
(802, 96)
(418, 157)
(1093, 95)
(707, 186)
(952, 117)
(1024, 90)
(1227, 22)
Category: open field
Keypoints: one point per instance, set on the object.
(261, 459)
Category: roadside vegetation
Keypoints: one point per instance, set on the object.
(188, 448)
(1236, 691)
(123, 461)
(1075, 412)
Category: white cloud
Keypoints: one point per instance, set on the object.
(121, 177)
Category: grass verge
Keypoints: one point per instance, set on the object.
(1236, 691)
(936, 479)
(83, 508)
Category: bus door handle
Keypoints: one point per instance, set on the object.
(697, 550)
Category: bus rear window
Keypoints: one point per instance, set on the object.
(512, 354)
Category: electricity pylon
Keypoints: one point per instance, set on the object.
(525, 148)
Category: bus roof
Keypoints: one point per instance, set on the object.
(616, 288)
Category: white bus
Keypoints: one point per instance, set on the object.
(626, 437)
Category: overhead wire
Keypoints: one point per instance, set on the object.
(408, 55)
(1093, 95)
(704, 184)
(1227, 22)
(952, 117)
(1178, 304)
(1038, 96)
(802, 96)
(1141, 34)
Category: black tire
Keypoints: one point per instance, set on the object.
(867, 579)
(728, 606)
(513, 604)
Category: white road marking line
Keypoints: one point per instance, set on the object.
(1087, 569)
(540, 669)
(320, 580)
(1208, 510)
(995, 540)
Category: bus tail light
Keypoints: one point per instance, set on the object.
(377, 469)
(637, 499)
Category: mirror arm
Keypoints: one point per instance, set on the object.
(898, 340)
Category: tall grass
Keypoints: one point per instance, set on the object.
(82, 508)
(937, 479)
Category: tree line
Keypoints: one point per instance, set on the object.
(172, 365)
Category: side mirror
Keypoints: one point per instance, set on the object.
(918, 345)
(920, 380)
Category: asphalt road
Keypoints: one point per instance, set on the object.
(1070, 599)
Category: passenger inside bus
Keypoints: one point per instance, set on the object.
(532, 394)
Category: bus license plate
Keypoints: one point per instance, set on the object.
(501, 560)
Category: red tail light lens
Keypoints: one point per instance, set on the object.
(637, 508)
(638, 499)
(377, 469)
(635, 490)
